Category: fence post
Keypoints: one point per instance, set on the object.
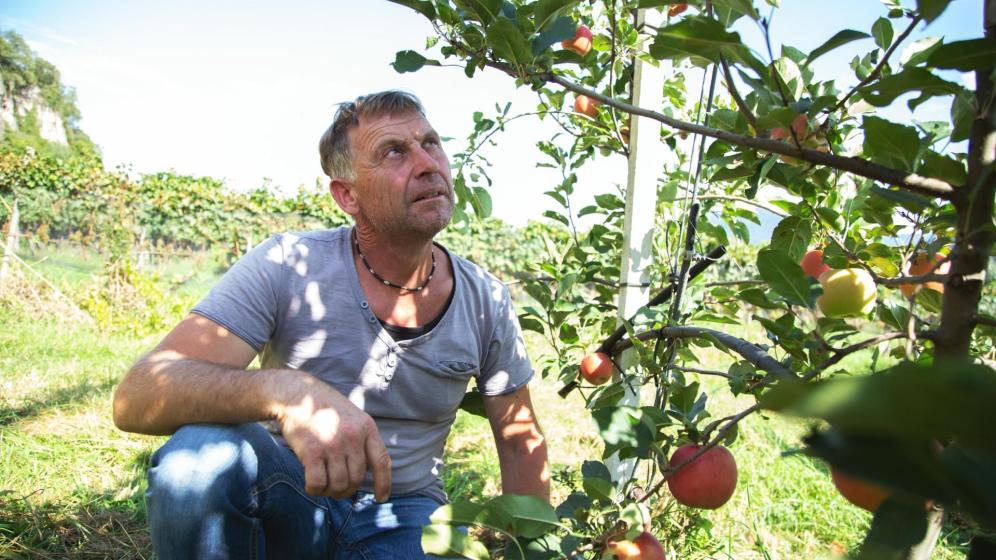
(13, 236)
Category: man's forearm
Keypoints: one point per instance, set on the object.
(161, 393)
(525, 468)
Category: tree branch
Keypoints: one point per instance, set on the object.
(732, 88)
(840, 354)
(986, 320)
(750, 352)
(910, 181)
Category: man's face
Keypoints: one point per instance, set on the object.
(402, 176)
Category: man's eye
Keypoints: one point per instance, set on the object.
(392, 152)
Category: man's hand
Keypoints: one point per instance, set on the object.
(197, 375)
(335, 441)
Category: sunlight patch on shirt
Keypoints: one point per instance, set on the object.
(313, 297)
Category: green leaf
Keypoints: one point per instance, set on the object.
(527, 516)
(781, 117)
(791, 236)
(545, 10)
(698, 38)
(787, 71)
(891, 144)
(571, 506)
(882, 31)
(481, 201)
(757, 179)
(944, 168)
(973, 54)
(885, 90)
(919, 51)
(508, 42)
(410, 61)
(910, 201)
(962, 115)
(841, 38)
(947, 400)
(931, 9)
(739, 8)
(560, 29)
(446, 541)
(484, 11)
(423, 7)
(784, 276)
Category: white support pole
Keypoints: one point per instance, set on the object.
(13, 236)
(646, 161)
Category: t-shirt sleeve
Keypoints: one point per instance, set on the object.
(506, 365)
(244, 301)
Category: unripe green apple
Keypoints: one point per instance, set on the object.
(707, 482)
(846, 292)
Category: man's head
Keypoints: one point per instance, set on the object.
(387, 165)
(334, 147)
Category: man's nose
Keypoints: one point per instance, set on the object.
(425, 162)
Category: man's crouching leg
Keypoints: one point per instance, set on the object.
(233, 492)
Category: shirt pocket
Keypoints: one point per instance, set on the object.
(458, 369)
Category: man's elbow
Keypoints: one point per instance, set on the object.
(128, 408)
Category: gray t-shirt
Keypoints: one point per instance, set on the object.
(296, 300)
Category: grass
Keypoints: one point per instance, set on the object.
(71, 485)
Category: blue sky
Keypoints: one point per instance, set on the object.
(241, 90)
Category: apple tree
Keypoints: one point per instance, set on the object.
(884, 236)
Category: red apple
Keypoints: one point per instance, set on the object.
(860, 493)
(812, 263)
(581, 43)
(676, 9)
(707, 482)
(596, 368)
(586, 106)
(922, 264)
(643, 547)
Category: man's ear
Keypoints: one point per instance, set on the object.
(342, 192)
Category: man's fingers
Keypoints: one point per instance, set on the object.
(315, 477)
(379, 463)
(356, 464)
(337, 484)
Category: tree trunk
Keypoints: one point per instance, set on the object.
(974, 205)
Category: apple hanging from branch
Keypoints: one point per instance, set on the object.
(581, 43)
(708, 481)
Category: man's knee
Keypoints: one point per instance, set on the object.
(203, 463)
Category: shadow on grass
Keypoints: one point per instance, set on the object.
(94, 525)
(53, 399)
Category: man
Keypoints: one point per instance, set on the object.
(367, 338)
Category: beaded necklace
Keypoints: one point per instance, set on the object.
(387, 282)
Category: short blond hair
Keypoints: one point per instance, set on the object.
(334, 149)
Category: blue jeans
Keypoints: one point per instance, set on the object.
(235, 492)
